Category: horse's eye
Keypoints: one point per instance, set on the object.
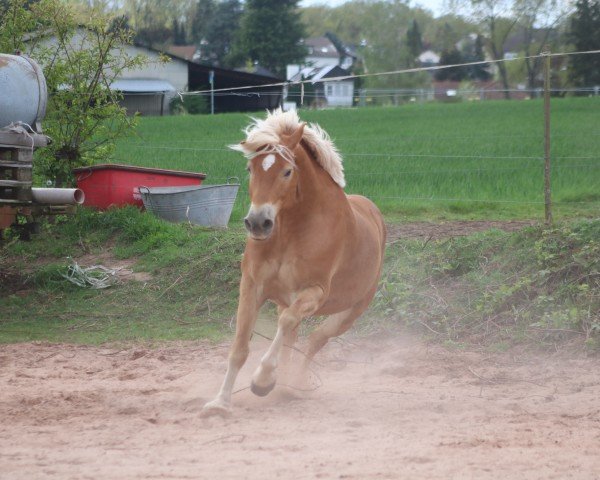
(248, 169)
(287, 173)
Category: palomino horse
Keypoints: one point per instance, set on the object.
(311, 249)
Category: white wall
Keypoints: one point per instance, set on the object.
(339, 93)
(175, 72)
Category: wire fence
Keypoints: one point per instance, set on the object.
(533, 165)
(390, 155)
(459, 161)
(288, 83)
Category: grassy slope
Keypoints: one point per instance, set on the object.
(191, 294)
(537, 285)
(493, 288)
(416, 161)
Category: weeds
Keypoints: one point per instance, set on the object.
(192, 292)
(539, 284)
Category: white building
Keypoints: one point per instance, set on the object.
(150, 88)
(147, 89)
(326, 92)
(322, 64)
(429, 58)
(321, 52)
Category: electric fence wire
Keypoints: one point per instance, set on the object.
(388, 73)
(388, 93)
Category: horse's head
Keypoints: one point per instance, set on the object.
(273, 184)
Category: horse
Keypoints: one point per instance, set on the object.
(311, 249)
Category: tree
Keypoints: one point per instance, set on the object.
(223, 27)
(153, 20)
(377, 31)
(414, 41)
(585, 34)
(202, 19)
(474, 53)
(455, 74)
(383, 40)
(270, 35)
(497, 20)
(87, 52)
(538, 20)
(214, 27)
(179, 37)
(448, 31)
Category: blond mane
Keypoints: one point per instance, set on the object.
(268, 132)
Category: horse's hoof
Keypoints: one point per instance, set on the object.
(261, 391)
(215, 408)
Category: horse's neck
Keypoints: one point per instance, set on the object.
(316, 187)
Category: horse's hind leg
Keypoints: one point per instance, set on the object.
(333, 326)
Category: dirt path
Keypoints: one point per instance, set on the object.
(453, 228)
(387, 409)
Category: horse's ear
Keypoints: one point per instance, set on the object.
(292, 141)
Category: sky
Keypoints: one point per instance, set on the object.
(434, 5)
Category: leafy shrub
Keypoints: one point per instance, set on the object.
(538, 284)
(191, 104)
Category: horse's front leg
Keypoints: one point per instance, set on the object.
(246, 318)
(306, 303)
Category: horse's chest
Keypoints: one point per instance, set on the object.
(278, 280)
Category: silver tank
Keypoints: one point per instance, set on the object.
(23, 93)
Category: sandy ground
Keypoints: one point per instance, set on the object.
(386, 409)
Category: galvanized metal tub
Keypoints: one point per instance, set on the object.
(205, 205)
(23, 93)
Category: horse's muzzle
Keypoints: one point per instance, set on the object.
(259, 223)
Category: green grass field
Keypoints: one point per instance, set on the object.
(418, 162)
(459, 160)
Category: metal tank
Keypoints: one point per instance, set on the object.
(205, 205)
(23, 93)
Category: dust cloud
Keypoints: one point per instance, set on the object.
(387, 408)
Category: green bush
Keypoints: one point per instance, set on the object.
(191, 104)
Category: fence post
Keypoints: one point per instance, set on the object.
(362, 95)
(211, 80)
(547, 187)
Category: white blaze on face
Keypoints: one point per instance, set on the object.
(268, 162)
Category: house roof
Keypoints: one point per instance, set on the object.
(320, 74)
(517, 39)
(321, 47)
(259, 97)
(257, 70)
(141, 85)
(324, 73)
(182, 51)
